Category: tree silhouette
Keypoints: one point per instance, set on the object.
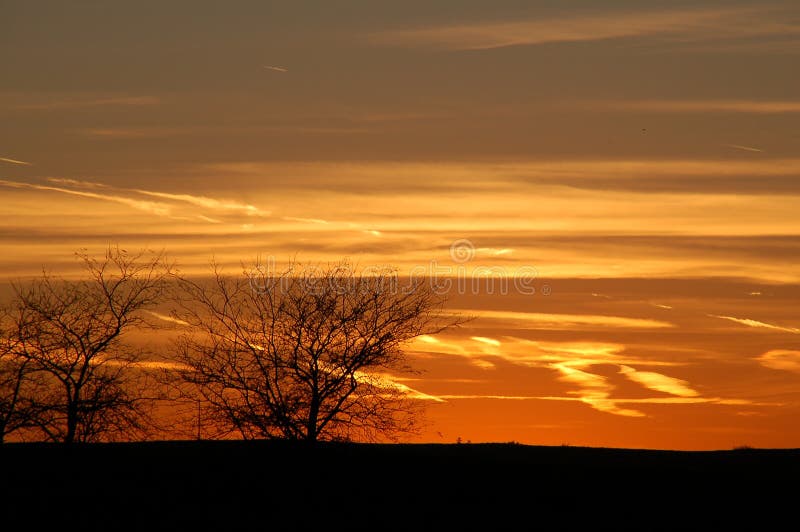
(304, 354)
(71, 336)
(18, 409)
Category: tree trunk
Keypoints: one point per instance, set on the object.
(313, 414)
(72, 423)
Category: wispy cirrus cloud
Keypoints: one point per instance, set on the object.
(184, 207)
(699, 106)
(75, 182)
(621, 400)
(531, 353)
(432, 345)
(199, 201)
(635, 174)
(208, 203)
(148, 364)
(538, 320)
(79, 103)
(134, 133)
(677, 25)
(593, 389)
(573, 362)
(211, 204)
(757, 324)
(128, 196)
(157, 208)
(390, 382)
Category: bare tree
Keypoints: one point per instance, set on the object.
(13, 412)
(306, 353)
(17, 378)
(72, 335)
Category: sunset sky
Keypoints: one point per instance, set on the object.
(643, 158)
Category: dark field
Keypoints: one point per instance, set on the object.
(234, 485)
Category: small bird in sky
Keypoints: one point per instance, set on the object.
(276, 68)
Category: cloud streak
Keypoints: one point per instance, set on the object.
(15, 161)
(678, 25)
(745, 148)
(93, 102)
(659, 382)
(620, 400)
(757, 324)
(208, 203)
(565, 321)
(159, 209)
(594, 390)
(198, 201)
(167, 318)
(572, 361)
(702, 106)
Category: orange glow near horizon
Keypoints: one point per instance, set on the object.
(611, 193)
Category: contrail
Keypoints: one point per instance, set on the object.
(276, 68)
(14, 161)
(200, 201)
(156, 208)
(756, 323)
(744, 148)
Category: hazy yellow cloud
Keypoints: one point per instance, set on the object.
(318, 221)
(659, 382)
(489, 341)
(782, 359)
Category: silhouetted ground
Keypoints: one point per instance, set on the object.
(234, 485)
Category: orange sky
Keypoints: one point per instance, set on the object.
(641, 157)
